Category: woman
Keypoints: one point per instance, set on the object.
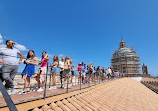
(29, 70)
(90, 73)
(41, 76)
(67, 72)
(72, 71)
(55, 66)
(98, 73)
(79, 67)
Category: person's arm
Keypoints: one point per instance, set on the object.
(21, 57)
(33, 63)
(1, 61)
(46, 57)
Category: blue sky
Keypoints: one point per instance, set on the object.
(86, 30)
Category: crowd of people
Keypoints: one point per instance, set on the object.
(85, 73)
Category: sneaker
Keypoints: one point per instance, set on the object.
(13, 91)
(55, 87)
(39, 90)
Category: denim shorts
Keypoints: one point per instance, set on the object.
(54, 69)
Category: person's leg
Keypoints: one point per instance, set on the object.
(6, 70)
(28, 83)
(1, 75)
(38, 80)
(54, 79)
(61, 78)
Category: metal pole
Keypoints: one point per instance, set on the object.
(7, 98)
(80, 79)
(50, 77)
(68, 81)
(45, 84)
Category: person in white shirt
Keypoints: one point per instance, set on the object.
(109, 72)
(61, 66)
(10, 64)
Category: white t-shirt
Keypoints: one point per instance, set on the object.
(109, 71)
(61, 64)
(9, 56)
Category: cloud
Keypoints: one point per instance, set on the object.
(61, 55)
(2, 46)
(1, 39)
(50, 55)
(20, 47)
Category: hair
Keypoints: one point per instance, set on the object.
(55, 58)
(79, 64)
(43, 52)
(7, 41)
(91, 64)
(28, 56)
(67, 57)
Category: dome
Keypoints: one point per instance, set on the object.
(124, 52)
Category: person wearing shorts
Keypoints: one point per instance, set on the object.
(41, 76)
(61, 66)
(72, 72)
(54, 70)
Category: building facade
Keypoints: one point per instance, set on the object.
(126, 61)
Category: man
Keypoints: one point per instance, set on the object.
(109, 72)
(61, 66)
(10, 64)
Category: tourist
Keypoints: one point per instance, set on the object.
(79, 68)
(87, 74)
(41, 76)
(54, 66)
(109, 72)
(67, 72)
(29, 70)
(98, 73)
(83, 72)
(61, 66)
(90, 73)
(10, 64)
(102, 74)
(72, 71)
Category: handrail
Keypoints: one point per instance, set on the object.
(7, 98)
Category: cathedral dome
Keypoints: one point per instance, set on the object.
(124, 52)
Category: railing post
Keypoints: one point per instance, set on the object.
(67, 91)
(80, 79)
(7, 98)
(50, 77)
(45, 84)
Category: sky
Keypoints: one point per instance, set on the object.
(86, 30)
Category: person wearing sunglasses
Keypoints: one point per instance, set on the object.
(10, 64)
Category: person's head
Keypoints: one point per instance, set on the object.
(55, 58)
(67, 58)
(10, 43)
(82, 63)
(31, 54)
(103, 68)
(44, 53)
(91, 64)
(62, 59)
(70, 61)
(108, 67)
